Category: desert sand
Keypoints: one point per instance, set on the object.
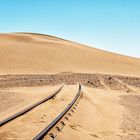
(34, 65)
(40, 54)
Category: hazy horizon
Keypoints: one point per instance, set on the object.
(111, 26)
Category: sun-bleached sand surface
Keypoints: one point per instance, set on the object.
(103, 115)
(32, 66)
(39, 54)
(39, 117)
(15, 99)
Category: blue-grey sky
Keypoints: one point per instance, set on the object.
(112, 25)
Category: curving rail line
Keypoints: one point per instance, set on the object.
(29, 108)
(44, 132)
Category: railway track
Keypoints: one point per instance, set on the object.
(46, 130)
(40, 117)
(3, 122)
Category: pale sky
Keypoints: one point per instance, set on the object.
(112, 25)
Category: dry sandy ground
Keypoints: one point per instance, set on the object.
(39, 54)
(91, 80)
(18, 98)
(97, 117)
(102, 115)
(104, 112)
(109, 108)
(28, 125)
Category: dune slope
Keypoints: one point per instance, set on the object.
(25, 53)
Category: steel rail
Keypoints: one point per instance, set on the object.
(45, 131)
(29, 108)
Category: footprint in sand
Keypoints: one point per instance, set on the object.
(77, 126)
(94, 135)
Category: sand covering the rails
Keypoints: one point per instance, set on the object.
(107, 111)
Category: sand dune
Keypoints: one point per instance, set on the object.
(108, 109)
(34, 53)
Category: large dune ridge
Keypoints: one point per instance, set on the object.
(108, 108)
(29, 53)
